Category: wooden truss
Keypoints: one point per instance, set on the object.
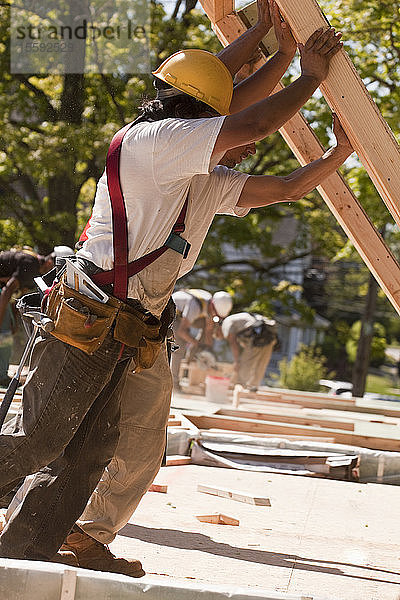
(371, 137)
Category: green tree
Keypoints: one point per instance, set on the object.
(55, 131)
(378, 344)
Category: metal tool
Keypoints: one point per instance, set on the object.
(39, 321)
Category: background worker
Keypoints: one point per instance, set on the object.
(200, 310)
(190, 140)
(252, 338)
(18, 268)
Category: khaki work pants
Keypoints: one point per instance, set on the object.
(145, 406)
(253, 363)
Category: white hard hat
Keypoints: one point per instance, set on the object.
(62, 251)
(222, 303)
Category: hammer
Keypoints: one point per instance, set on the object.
(39, 321)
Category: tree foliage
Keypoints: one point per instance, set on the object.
(304, 371)
(55, 131)
(378, 344)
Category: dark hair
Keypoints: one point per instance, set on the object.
(182, 106)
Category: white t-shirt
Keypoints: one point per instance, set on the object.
(233, 324)
(160, 163)
(188, 306)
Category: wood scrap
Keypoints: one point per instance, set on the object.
(174, 423)
(218, 519)
(233, 495)
(176, 459)
(158, 487)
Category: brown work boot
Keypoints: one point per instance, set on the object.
(65, 557)
(94, 555)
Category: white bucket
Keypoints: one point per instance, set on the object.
(217, 388)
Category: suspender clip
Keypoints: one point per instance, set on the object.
(177, 243)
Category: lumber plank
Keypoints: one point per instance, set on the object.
(289, 418)
(338, 196)
(218, 9)
(233, 495)
(68, 585)
(308, 400)
(327, 414)
(174, 423)
(347, 95)
(252, 425)
(355, 416)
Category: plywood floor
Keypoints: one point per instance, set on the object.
(320, 538)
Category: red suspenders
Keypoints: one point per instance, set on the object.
(122, 270)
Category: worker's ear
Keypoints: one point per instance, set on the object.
(183, 111)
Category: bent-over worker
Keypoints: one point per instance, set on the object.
(251, 338)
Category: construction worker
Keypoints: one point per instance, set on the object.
(251, 338)
(145, 409)
(72, 396)
(18, 268)
(200, 310)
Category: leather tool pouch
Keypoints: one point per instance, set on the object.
(79, 320)
(139, 330)
(148, 353)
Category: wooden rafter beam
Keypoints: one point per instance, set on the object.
(338, 196)
(347, 95)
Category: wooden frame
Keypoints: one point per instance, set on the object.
(241, 424)
(378, 151)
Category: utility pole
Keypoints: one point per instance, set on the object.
(361, 364)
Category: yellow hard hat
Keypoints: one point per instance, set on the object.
(201, 75)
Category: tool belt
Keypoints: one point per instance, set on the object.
(261, 333)
(84, 323)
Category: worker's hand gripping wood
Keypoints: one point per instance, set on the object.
(317, 52)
